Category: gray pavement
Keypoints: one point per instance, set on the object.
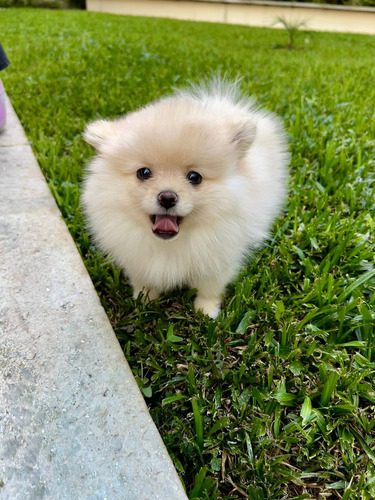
(73, 423)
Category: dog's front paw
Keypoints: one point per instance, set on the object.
(211, 307)
(147, 294)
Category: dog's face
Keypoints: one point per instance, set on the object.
(172, 165)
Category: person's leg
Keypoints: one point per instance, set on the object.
(3, 113)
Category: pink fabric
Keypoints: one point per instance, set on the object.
(3, 114)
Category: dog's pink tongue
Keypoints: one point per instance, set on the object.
(165, 224)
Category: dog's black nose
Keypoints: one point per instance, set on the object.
(167, 199)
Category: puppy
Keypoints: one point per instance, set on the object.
(183, 189)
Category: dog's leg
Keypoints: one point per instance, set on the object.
(148, 293)
(209, 296)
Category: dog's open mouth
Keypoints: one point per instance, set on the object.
(165, 226)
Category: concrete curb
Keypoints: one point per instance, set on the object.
(73, 423)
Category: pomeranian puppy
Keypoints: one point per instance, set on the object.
(183, 189)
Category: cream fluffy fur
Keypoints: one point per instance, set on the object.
(241, 154)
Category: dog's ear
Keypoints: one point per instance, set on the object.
(97, 133)
(244, 130)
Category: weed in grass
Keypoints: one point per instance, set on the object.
(292, 28)
(276, 398)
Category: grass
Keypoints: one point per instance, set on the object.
(276, 398)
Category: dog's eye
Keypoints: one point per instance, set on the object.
(144, 173)
(194, 177)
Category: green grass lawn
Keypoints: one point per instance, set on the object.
(276, 398)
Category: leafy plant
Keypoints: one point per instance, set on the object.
(50, 4)
(293, 28)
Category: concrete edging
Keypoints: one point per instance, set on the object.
(248, 12)
(73, 423)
